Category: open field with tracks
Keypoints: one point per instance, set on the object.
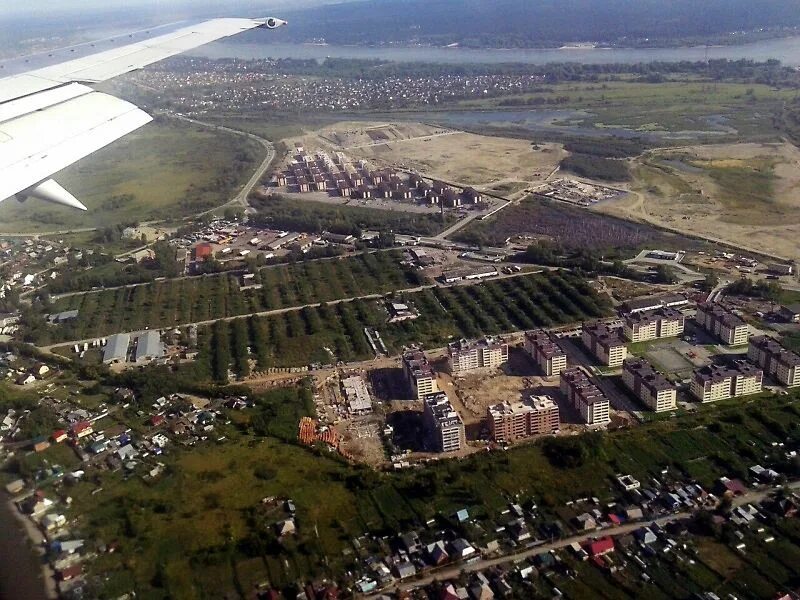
(742, 193)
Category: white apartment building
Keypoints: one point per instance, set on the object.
(650, 386)
(715, 382)
(653, 324)
(777, 361)
(585, 397)
(487, 353)
(419, 374)
(444, 428)
(605, 344)
(719, 321)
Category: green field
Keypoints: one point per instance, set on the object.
(189, 300)
(163, 171)
(673, 106)
(331, 332)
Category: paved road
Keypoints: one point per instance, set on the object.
(454, 571)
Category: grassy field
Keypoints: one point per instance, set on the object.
(182, 301)
(691, 106)
(336, 332)
(165, 170)
(201, 529)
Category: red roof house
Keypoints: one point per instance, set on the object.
(59, 435)
(70, 572)
(203, 251)
(600, 546)
(82, 429)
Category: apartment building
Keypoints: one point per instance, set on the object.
(605, 344)
(653, 324)
(535, 415)
(650, 386)
(444, 429)
(721, 322)
(716, 382)
(585, 397)
(466, 356)
(777, 361)
(419, 374)
(545, 351)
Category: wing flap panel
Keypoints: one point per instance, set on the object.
(35, 146)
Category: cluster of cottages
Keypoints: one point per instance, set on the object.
(447, 540)
(28, 264)
(319, 172)
(176, 419)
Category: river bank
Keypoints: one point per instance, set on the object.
(786, 50)
(23, 570)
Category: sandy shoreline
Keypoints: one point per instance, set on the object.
(34, 541)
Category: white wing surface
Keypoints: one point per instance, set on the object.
(49, 119)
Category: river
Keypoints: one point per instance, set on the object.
(20, 567)
(787, 50)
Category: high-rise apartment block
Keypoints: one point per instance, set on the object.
(585, 396)
(716, 382)
(721, 322)
(605, 344)
(650, 386)
(545, 351)
(466, 356)
(653, 324)
(511, 421)
(444, 428)
(777, 361)
(419, 374)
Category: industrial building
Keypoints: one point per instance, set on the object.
(535, 415)
(545, 351)
(777, 361)
(654, 303)
(605, 344)
(716, 382)
(359, 401)
(585, 397)
(149, 347)
(454, 275)
(444, 428)
(653, 324)
(419, 374)
(116, 349)
(721, 322)
(488, 353)
(650, 386)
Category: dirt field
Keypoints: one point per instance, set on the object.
(473, 393)
(505, 165)
(746, 194)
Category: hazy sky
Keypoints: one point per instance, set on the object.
(41, 7)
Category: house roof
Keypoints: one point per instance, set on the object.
(600, 546)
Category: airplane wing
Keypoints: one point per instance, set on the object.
(50, 118)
